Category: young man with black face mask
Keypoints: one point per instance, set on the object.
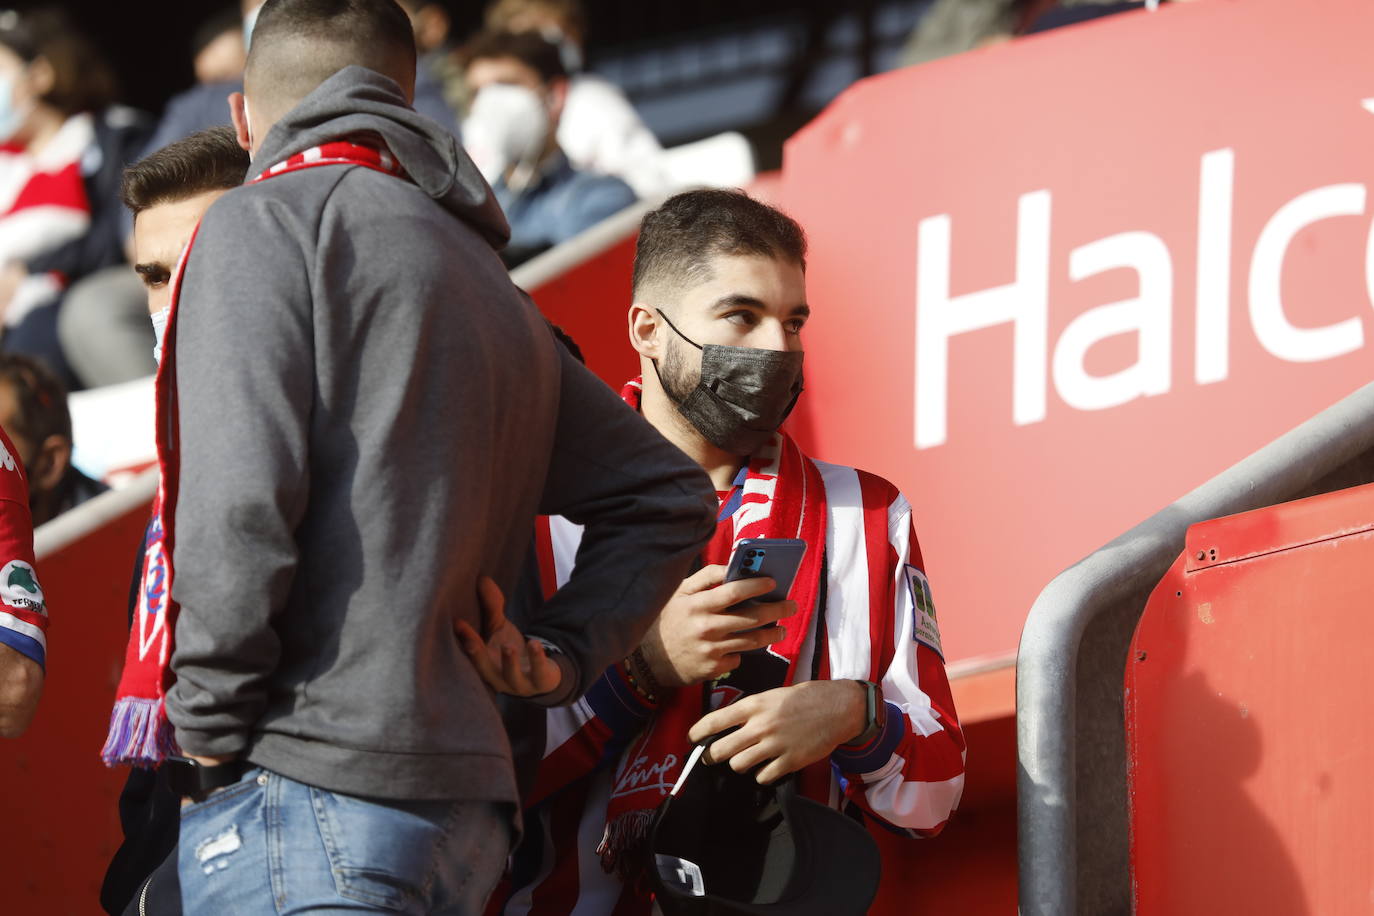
(843, 685)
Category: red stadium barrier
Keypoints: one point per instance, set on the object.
(60, 809)
(1249, 737)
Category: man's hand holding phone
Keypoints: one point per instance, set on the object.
(703, 628)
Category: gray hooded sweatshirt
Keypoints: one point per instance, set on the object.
(370, 417)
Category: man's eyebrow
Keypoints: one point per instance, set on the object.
(739, 300)
(151, 270)
(735, 300)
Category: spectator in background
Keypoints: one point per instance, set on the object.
(438, 90)
(600, 131)
(954, 26)
(103, 327)
(217, 48)
(519, 88)
(54, 92)
(33, 412)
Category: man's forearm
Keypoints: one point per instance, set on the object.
(21, 686)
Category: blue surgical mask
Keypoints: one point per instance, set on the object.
(12, 116)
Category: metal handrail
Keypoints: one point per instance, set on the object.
(1071, 780)
(94, 514)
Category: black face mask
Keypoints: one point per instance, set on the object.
(743, 396)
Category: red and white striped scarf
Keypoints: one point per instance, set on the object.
(140, 734)
(783, 497)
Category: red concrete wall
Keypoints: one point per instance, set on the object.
(59, 804)
(1248, 717)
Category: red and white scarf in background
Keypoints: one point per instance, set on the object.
(783, 497)
(140, 734)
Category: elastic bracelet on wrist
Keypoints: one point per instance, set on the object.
(641, 678)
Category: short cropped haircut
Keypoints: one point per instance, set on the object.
(82, 79)
(530, 48)
(40, 399)
(678, 240)
(370, 33)
(209, 160)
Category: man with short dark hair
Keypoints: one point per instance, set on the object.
(359, 418)
(519, 89)
(167, 193)
(206, 161)
(843, 685)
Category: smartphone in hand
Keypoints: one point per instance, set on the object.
(776, 558)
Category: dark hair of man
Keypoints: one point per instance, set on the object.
(298, 44)
(40, 399)
(678, 240)
(209, 160)
(228, 19)
(82, 80)
(530, 48)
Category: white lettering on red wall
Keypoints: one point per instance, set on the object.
(1024, 303)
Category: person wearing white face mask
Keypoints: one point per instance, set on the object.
(600, 131)
(519, 89)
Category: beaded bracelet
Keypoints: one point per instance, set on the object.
(641, 678)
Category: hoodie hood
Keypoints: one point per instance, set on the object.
(357, 100)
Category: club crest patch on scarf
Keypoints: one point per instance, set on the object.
(924, 628)
(152, 590)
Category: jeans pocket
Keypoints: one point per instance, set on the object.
(247, 783)
(382, 853)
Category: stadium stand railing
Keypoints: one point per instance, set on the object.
(1073, 844)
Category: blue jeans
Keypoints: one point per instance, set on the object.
(268, 844)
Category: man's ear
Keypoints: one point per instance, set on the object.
(238, 113)
(644, 331)
(50, 464)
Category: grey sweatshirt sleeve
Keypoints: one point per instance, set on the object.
(648, 510)
(245, 387)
